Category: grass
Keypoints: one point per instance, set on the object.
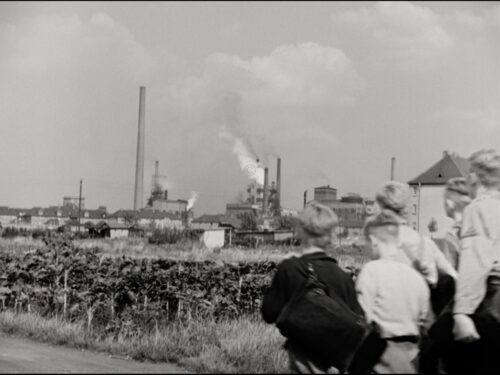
(20, 245)
(348, 256)
(244, 345)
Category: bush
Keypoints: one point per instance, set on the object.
(172, 235)
(11, 232)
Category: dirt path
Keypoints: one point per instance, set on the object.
(20, 355)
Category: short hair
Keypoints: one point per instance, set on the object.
(456, 190)
(486, 165)
(384, 225)
(394, 196)
(318, 222)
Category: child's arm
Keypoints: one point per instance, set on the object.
(366, 290)
(442, 264)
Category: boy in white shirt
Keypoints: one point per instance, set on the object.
(393, 295)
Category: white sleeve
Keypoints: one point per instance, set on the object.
(442, 264)
(366, 291)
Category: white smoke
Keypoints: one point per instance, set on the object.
(246, 159)
(192, 200)
(163, 184)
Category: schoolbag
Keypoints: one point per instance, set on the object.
(327, 329)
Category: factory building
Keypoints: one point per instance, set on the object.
(351, 209)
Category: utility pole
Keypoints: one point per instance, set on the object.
(79, 205)
(393, 162)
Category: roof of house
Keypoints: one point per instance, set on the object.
(221, 219)
(157, 215)
(144, 214)
(52, 212)
(208, 218)
(450, 166)
(325, 187)
(232, 221)
(114, 225)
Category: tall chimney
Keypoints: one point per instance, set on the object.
(266, 192)
(393, 164)
(156, 167)
(139, 166)
(278, 185)
(305, 198)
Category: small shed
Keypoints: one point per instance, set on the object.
(111, 230)
(213, 238)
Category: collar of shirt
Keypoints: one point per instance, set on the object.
(312, 250)
(487, 193)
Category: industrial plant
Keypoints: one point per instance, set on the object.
(261, 207)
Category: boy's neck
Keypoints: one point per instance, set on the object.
(312, 249)
(388, 251)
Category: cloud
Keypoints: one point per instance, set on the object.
(469, 19)
(72, 45)
(264, 99)
(481, 121)
(403, 32)
(303, 74)
(68, 84)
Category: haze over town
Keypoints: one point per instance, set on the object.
(334, 89)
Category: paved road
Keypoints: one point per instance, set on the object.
(20, 355)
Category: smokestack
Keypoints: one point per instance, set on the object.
(139, 166)
(166, 194)
(393, 164)
(305, 198)
(278, 185)
(266, 192)
(157, 163)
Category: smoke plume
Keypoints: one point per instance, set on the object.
(246, 159)
(192, 199)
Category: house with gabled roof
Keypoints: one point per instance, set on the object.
(47, 217)
(148, 218)
(427, 202)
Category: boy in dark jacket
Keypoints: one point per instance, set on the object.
(316, 225)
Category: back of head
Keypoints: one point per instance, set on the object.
(394, 196)
(384, 226)
(317, 223)
(457, 191)
(486, 165)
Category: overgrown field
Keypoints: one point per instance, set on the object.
(208, 305)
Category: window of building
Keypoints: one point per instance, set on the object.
(86, 214)
(414, 209)
(414, 189)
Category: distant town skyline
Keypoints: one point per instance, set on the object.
(333, 88)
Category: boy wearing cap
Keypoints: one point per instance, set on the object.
(316, 226)
(393, 295)
(417, 250)
(456, 198)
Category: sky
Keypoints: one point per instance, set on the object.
(333, 88)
